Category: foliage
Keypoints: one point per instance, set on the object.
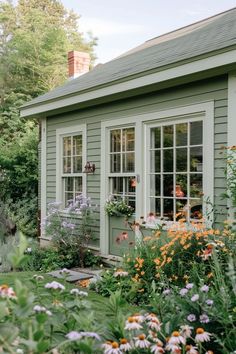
(118, 207)
(231, 174)
(71, 228)
(35, 38)
(91, 259)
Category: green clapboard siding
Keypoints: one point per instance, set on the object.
(211, 89)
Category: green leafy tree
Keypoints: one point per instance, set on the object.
(35, 37)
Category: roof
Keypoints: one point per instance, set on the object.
(204, 37)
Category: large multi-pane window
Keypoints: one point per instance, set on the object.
(72, 165)
(122, 180)
(175, 170)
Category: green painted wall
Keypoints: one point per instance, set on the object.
(201, 91)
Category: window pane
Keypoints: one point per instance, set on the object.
(155, 162)
(181, 134)
(68, 198)
(69, 184)
(168, 160)
(181, 160)
(196, 159)
(181, 209)
(155, 185)
(128, 139)
(181, 189)
(196, 133)
(115, 163)
(128, 162)
(155, 205)
(168, 209)
(67, 146)
(155, 138)
(78, 185)
(66, 165)
(77, 145)
(77, 164)
(168, 183)
(130, 185)
(196, 209)
(117, 185)
(168, 135)
(115, 140)
(195, 185)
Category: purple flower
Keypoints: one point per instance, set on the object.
(209, 302)
(183, 292)
(195, 298)
(189, 286)
(204, 318)
(191, 318)
(166, 292)
(204, 288)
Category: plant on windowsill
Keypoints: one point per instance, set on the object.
(118, 207)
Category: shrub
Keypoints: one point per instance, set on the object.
(71, 228)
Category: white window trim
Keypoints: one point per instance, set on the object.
(60, 134)
(206, 109)
(43, 175)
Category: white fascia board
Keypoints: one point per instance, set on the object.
(161, 76)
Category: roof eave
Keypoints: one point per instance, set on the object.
(196, 65)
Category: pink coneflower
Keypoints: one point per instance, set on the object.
(202, 336)
(141, 342)
(125, 345)
(132, 324)
(156, 349)
(154, 324)
(190, 349)
(176, 338)
(173, 348)
(151, 316)
(186, 331)
(111, 348)
(139, 318)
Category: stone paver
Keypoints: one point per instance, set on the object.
(71, 275)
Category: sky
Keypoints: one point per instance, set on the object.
(124, 24)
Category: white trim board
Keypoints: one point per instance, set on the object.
(141, 122)
(43, 173)
(196, 66)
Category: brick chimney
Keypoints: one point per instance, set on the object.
(78, 63)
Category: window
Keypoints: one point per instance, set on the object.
(70, 161)
(175, 176)
(122, 180)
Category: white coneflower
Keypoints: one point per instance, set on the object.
(186, 331)
(125, 346)
(150, 316)
(120, 273)
(139, 318)
(173, 348)
(54, 285)
(202, 336)
(132, 324)
(73, 335)
(190, 349)
(141, 342)
(154, 324)
(156, 349)
(176, 338)
(112, 348)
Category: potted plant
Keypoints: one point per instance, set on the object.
(118, 207)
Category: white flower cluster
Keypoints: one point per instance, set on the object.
(42, 309)
(55, 286)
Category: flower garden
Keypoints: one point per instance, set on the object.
(173, 292)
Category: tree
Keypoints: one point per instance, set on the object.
(35, 37)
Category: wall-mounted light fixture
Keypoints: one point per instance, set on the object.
(89, 168)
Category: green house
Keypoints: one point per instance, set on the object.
(152, 121)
